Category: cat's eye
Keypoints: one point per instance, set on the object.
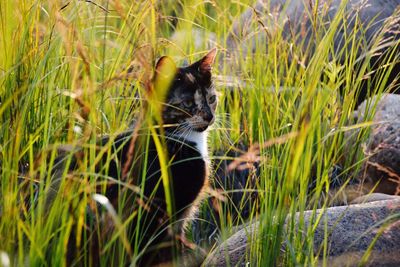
(212, 99)
(187, 103)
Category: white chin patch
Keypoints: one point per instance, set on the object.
(200, 139)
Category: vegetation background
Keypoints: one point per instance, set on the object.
(72, 71)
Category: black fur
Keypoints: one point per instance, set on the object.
(188, 176)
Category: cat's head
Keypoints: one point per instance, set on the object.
(191, 99)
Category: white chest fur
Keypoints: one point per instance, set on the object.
(200, 139)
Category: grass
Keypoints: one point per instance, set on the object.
(64, 80)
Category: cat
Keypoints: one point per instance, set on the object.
(188, 112)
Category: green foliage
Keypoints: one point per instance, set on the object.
(72, 72)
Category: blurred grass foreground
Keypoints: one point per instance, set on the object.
(289, 76)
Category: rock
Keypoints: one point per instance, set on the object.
(352, 229)
(200, 38)
(372, 197)
(293, 22)
(383, 146)
(269, 18)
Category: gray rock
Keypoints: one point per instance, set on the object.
(383, 146)
(300, 25)
(199, 38)
(373, 197)
(268, 18)
(351, 230)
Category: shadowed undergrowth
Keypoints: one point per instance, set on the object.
(71, 73)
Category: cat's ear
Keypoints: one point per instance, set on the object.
(207, 61)
(164, 63)
(165, 70)
(164, 74)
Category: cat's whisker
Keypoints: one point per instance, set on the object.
(178, 128)
(222, 119)
(220, 123)
(227, 119)
(223, 115)
(181, 131)
(221, 127)
(184, 133)
(185, 128)
(189, 132)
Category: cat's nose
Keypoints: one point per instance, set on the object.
(208, 116)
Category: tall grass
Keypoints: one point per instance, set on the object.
(71, 72)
